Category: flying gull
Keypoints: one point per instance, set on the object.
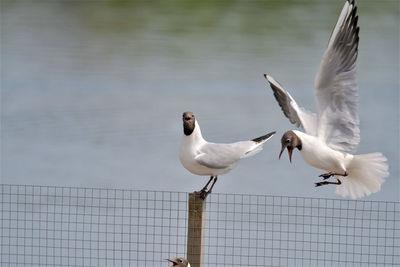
(333, 133)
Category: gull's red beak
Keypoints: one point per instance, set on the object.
(290, 151)
(280, 154)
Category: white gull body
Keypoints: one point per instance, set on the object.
(319, 155)
(205, 158)
(212, 159)
(332, 133)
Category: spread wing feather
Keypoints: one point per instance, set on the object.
(299, 116)
(336, 87)
(336, 121)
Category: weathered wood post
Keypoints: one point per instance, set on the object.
(196, 230)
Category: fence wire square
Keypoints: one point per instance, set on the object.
(66, 226)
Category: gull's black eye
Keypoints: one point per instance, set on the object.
(287, 141)
(180, 260)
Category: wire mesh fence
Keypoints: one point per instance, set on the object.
(296, 231)
(65, 226)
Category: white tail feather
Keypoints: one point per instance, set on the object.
(254, 150)
(366, 173)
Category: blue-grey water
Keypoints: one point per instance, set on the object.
(92, 92)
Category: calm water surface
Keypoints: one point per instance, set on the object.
(92, 92)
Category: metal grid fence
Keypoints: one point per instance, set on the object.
(295, 231)
(65, 226)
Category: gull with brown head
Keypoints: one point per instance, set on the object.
(332, 133)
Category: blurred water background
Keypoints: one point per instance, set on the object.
(92, 92)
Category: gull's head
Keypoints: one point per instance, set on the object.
(290, 141)
(189, 122)
(182, 262)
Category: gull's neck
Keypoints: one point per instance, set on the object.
(196, 136)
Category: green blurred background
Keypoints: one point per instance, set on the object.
(92, 92)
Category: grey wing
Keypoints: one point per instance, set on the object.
(221, 156)
(336, 87)
(297, 115)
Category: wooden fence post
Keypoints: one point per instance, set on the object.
(196, 230)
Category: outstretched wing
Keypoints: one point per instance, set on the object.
(336, 87)
(297, 115)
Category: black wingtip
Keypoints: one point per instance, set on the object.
(356, 22)
(354, 11)
(351, 2)
(271, 83)
(262, 138)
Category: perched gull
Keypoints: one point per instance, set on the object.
(204, 158)
(333, 132)
(182, 262)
